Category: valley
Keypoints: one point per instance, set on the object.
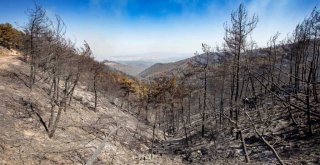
(232, 103)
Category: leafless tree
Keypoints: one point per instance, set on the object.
(236, 37)
(37, 25)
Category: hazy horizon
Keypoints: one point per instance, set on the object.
(124, 30)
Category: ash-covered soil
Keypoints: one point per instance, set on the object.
(24, 112)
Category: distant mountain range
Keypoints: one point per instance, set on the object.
(160, 68)
(141, 65)
(174, 67)
(132, 68)
(150, 69)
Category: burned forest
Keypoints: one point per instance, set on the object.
(232, 103)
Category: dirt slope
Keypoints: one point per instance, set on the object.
(24, 140)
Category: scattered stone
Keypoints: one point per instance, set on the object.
(78, 98)
(2, 88)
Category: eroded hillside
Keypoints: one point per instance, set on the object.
(24, 114)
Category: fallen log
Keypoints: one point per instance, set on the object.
(265, 141)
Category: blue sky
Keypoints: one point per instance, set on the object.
(158, 29)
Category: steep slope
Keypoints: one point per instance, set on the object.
(271, 126)
(221, 144)
(25, 112)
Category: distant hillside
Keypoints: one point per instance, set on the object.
(163, 68)
(137, 63)
(132, 70)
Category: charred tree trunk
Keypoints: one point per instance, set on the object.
(204, 104)
(95, 91)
